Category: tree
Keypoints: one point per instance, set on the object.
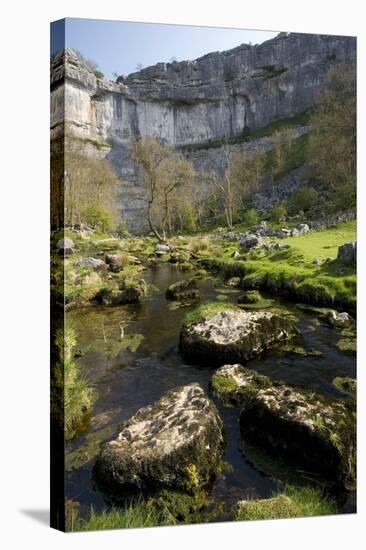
(332, 146)
(162, 175)
(282, 140)
(90, 185)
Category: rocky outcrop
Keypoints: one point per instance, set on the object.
(312, 431)
(231, 336)
(218, 96)
(183, 290)
(175, 443)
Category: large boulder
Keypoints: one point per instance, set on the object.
(234, 384)
(65, 246)
(175, 443)
(89, 262)
(183, 290)
(314, 432)
(233, 336)
(116, 262)
(348, 252)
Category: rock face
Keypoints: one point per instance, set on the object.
(221, 94)
(348, 252)
(175, 443)
(231, 336)
(312, 431)
(183, 290)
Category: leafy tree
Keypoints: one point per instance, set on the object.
(303, 199)
(166, 179)
(332, 146)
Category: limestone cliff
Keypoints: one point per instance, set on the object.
(221, 94)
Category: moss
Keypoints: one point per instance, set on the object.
(293, 502)
(234, 384)
(250, 297)
(346, 384)
(347, 345)
(207, 311)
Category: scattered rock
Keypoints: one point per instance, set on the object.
(234, 384)
(283, 233)
(250, 241)
(116, 262)
(175, 443)
(347, 253)
(234, 282)
(250, 297)
(235, 254)
(339, 320)
(231, 336)
(89, 262)
(314, 432)
(183, 290)
(130, 294)
(303, 228)
(162, 249)
(65, 246)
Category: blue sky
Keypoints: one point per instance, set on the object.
(119, 46)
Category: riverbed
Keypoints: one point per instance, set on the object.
(128, 379)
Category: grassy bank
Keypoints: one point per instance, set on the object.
(307, 271)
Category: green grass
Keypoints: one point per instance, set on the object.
(292, 272)
(207, 311)
(292, 502)
(132, 516)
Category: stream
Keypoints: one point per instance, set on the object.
(127, 380)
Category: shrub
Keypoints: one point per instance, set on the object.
(278, 212)
(98, 74)
(78, 397)
(303, 199)
(98, 217)
(199, 244)
(250, 217)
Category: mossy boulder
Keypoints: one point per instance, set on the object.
(175, 443)
(277, 507)
(338, 320)
(315, 432)
(232, 336)
(131, 294)
(234, 384)
(250, 297)
(346, 384)
(183, 290)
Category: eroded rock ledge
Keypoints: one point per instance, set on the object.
(174, 443)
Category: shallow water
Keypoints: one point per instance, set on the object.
(129, 380)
